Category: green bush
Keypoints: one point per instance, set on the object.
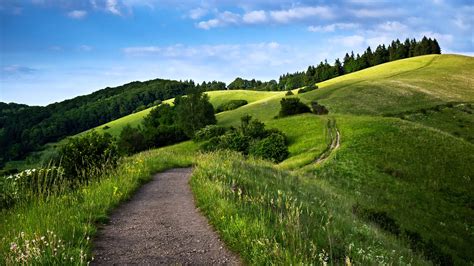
(208, 132)
(292, 106)
(308, 88)
(84, 156)
(273, 148)
(289, 93)
(131, 140)
(235, 141)
(231, 105)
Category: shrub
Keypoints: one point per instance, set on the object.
(319, 109)
(308, 88)
(194, 112)
(231, 105)
(208, 132)
(210, 145)
(272, 148)
(131, 140)
(235, 141)
(164, 135)
(292, 106)
(289, 93)
(83, 156)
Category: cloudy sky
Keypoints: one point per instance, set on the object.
(51, 50)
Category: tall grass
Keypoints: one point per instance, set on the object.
(271, 216)
(58, 228)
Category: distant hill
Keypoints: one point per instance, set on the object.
(24, 129)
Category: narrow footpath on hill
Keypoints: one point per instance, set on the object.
(161, 225)
(335, 138)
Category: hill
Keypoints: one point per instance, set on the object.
(397, 190)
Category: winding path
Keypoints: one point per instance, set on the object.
(161, 225)
(335, 141)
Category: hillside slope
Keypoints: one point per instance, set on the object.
(404, 167)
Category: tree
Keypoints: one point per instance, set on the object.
(292, 106)
(131, 140)
(194, 112)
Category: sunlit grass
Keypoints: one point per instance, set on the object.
(68, 219)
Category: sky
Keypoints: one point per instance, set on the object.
(51, 50)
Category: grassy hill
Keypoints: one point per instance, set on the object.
(398, 189)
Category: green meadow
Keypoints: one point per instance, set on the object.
(398, 190)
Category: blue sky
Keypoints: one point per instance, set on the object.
(52, 50)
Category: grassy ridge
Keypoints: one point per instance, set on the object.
(271, 216)
(393, 166)
(404, 85)
(62, 226)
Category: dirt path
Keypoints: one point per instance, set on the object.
(335, 141)
(161, 225)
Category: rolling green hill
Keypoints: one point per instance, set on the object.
(400, 183)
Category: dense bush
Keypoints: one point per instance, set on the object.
(231, 105)
(272, 148)
(194, 112)
(131, 140)
(208, 132)
(318, 108)
(82, 157)
(164, 135)
(250, 137)
(308, 88)
(292, 106)
(289, 93)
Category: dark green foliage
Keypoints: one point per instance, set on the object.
(250, 138)
(319, 109)
(211, 86)
(292, 106)
(164, 135)
(83, 157)
(194, 112)
(159, 129)
(163, 114)
(27, 128)
(243, 84)
(380, 218)
(231, 105)
(272, 148)
(208, 132)
(236, 141)
(131, 140)
(307, 89)
(289, 93)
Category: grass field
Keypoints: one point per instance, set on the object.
(398, 190)
(59, 229)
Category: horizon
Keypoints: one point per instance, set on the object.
(84, 46)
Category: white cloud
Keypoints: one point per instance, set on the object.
(223, 19)
(352, 41)
(260, 16)
(333, 27)
(85, 48)
(254, 17)
(77, 14)
(298, 13)
(197, 13)
(392, 26)
(376, 13)
(212, 23)
(112, 7)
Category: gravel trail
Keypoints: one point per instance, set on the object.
(161, 225)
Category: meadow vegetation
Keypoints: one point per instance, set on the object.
(398, 190)
(58, 228)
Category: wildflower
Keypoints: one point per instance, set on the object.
(13, 246)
